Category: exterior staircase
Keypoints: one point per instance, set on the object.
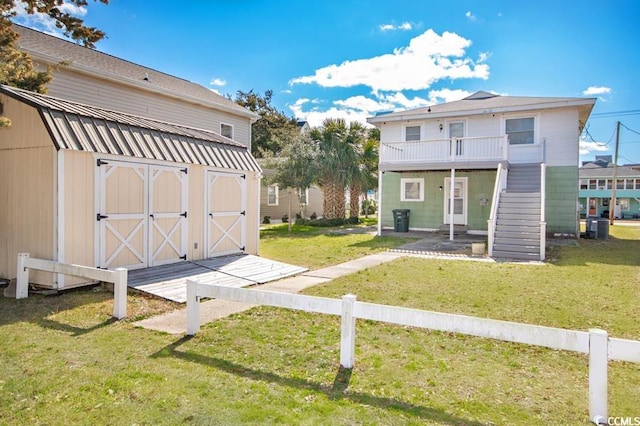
(517, 234)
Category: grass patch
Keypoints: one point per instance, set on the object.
(64, 361)
(316, 248)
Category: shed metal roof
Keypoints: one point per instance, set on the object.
(81, 127)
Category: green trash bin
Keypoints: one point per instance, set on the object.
(401, 220)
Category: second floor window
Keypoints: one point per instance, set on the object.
(226, 130)
(520, 130)
(412, 133)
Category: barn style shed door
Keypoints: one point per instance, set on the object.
(226, 215)
(142, 214)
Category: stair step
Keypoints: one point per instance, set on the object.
(515, 255)
(503, 241)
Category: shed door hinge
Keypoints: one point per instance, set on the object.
(100, 162)
(99, 217)
(183, 214)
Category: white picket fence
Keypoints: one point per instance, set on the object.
(596, 343)
(118, 277)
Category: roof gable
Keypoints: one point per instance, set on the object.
(52, 49)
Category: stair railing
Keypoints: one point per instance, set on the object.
(543, 220)
(499, 186)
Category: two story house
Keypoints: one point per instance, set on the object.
(596, 189)
(504, 166)
(120, 165)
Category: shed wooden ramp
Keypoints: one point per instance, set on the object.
(170, 281)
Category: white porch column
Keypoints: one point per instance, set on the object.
(452, 187)
(380, 202)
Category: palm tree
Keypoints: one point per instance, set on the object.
(338, 149)
(364, 173)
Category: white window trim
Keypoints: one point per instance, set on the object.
(306, 197)
(404, 131)
(269, 203)
(536, 127)
(448, 129)
(232, 129)
(404, 181)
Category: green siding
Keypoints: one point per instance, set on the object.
(429, 213)
(562, 199)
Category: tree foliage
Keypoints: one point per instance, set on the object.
(274, 128)
(340, 146)
(16, 67)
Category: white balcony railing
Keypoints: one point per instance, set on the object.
(486, 148)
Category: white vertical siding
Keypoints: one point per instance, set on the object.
(559, 128)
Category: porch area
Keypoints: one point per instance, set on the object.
(170, 281)
(438, 154)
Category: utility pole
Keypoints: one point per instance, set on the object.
(614, 184)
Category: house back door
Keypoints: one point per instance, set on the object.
(459, 201)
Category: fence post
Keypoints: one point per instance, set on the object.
(22, 277)
(598, 358)
(193, 308)
(120, 293)
(348, 332)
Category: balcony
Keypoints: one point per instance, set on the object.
(439, 154)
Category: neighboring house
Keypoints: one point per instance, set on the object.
(303, 126)
(596, 187)
(274, 201)
(120, 165)
(504, 166)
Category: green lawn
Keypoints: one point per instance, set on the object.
(63, 361)
(316, 248)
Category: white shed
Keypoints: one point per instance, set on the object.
(91, 186)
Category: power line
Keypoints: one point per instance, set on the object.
(631, 130)
(610, 114)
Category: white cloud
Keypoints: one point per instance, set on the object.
(470, 16)
(218, 82)
(405, 26)
(589, 147)
(363, 104)
(447, 95)
(427, 59)
(597, 90)
(359, 108)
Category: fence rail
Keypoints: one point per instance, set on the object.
(118, 277)
(596, 343)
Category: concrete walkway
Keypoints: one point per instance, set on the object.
(175, 322)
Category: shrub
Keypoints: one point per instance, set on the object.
(369, 207)
(313, 216)
(266, 219)
(327, 222)
(285, 218)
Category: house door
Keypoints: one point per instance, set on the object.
(456, 133)
(593, 207)
(226, 215)
(141, 219)
(459, 201)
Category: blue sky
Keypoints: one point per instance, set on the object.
(351, 59)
